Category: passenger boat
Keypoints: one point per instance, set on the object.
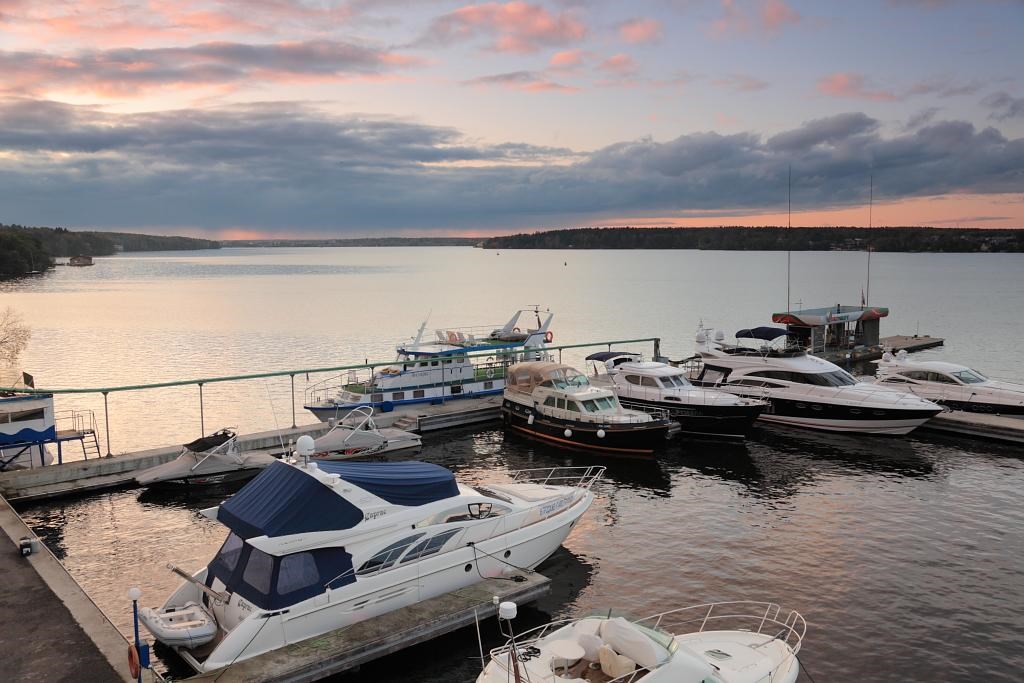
(557, 404)
(459, 363)
(700, 411)
(803, 390)
(317, 546)
(213, 459)
(725, 642)
(957, 387)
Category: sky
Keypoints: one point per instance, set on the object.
(337, 118)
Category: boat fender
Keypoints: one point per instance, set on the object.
(529, 420)
(549, 337)
(600, 433)
(568, 433)
(134, 667)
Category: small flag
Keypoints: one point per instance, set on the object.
(28, 380)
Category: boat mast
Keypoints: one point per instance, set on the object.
(789, 220)
(871, 199)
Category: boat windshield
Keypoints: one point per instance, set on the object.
(674, 382)
(570, 378)
(969, 376)
(597, 405)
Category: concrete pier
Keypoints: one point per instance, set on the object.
(347, 648)
(52, 631)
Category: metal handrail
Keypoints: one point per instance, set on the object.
(579, 477)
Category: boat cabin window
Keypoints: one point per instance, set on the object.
(573, 406)
(919, 375)
(429, 546)
(969, 376)
(648, 382)
(418, 393)
(674, 381)
(596, 405)
(836, 378)
(550, 401)
(561, 403)
(398, 396)
(388, 556)
(22, 415)
(297, 572)
(434, 363)
(633, 379)
(940, 378)
(230, 551)
(258, 571)
(590, 406)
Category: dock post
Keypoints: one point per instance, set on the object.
(60, 454)
(293, 400)
(657, 349)
(106, 418)
(202, 418)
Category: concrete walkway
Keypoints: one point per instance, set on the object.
(42, 640)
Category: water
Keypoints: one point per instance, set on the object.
(902, 553)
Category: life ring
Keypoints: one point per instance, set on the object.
(452, 337)
(134, 667)
(549, 337)
(490, 373)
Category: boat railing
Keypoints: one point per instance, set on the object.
(653, 411)
(79, 421)
(580, 477)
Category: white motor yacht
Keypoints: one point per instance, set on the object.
(700, 411)
(726, 642)
(315, 547)
(460, 363)
(358, 435)
(803, 390)
(557, 404)
(957, 387)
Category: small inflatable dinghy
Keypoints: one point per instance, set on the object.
(189, 626)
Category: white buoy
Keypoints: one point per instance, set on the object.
(600, 433)
(529, 420)
(568, 433)
(507, 611)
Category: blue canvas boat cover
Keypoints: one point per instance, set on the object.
(399, 483)
(765, 333)
(284, 500)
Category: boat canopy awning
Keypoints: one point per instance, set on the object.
(524, 377)
(604, 356)
(399, 483)
(284, 500)
(834, 315)
(764, 333)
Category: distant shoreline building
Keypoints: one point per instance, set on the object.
(80, 261)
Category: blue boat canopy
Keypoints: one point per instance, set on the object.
(400, 483)
(764, 333)
(603, 356)
(284, 500)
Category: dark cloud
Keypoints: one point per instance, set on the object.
(285, 166)
(127, 70)
(921, 118)
(1004, 106)
(533, 81)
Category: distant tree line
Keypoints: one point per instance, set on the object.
(769, 239)
(24, 249)
(359, 242)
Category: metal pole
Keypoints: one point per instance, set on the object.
(135, 616)
(106, 417)
(293, 401)
(202, 417)
(657, 348)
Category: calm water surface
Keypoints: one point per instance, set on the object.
(903, 554)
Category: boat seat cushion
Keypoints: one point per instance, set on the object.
(591, 645)
(626, 639)
(591, 626)
(614, 665)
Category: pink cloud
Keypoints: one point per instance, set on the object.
(640, 31)
(566, 59)
(528, 81)
(741, 83)
(515, 26)
(852, 85)
(620, 64)
(764, 16)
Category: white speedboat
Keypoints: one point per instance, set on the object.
(557, 404)
(317, 546)
(213, 459)
(460, 363)
(357, 435)
(726, 642)
(803, 390)
(700, 411)
(957, 387)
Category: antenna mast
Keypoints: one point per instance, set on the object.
(789, 220)
(871, 200)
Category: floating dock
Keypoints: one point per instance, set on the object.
(53, 631)
(979, 425)
(352, 646)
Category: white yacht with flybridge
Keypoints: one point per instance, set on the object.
(802, 390)
(317, 546)
(458, 363)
